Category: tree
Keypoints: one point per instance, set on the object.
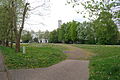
(61, 34)
(36, 40)
(46, 34)
(86, 33)
(73, 31)
(106, 29)
(13, 14)
(70, 32)
(81, 32)
(26, 36)
(53, 37)
(95, 7)
(90, 31)
(106, 9)
(118, 39)
(67, 33)
(6, 28)
(19, 10)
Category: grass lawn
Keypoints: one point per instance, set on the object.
(37, 56)
(105, 62)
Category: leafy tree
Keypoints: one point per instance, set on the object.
(91, 37)
(73, 31)
(6, 28)
(42, 34)
(46, 34)
(39, 34)
(53, 37)
(95, 7)
(67, 33)
(19, 10)
(36, 40)
(118, 39)
(81, 32)
(61, 33)
(26, 36)
(102, 13)
(13, 15)
(106, 29)
(85, 33)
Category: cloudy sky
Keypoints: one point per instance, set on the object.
(46, 17)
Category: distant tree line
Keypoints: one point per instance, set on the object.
(103, 30)
(31, 36)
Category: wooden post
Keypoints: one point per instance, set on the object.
(24, 50)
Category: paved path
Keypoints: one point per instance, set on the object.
(70, 69)
(2, 67)
(3, 74)
(66, 70)
(75, 53)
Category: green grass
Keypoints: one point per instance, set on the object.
(105, 63)
(37, 56)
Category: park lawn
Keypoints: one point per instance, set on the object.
(37, 56)
(105, 63)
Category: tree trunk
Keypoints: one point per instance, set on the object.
(0, 42)
(11, 44)
(18, 44)
(21, 28)
(11, 40)
(7, 43)
(3, 42)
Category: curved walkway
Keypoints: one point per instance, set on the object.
(75, 53)
(70, 69)
(3, 73)
(66, 70)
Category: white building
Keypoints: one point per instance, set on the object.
(43, 41)
(59, 23)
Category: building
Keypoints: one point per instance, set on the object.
(43, 41)
(59, 23)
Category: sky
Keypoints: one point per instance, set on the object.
(46, 17)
